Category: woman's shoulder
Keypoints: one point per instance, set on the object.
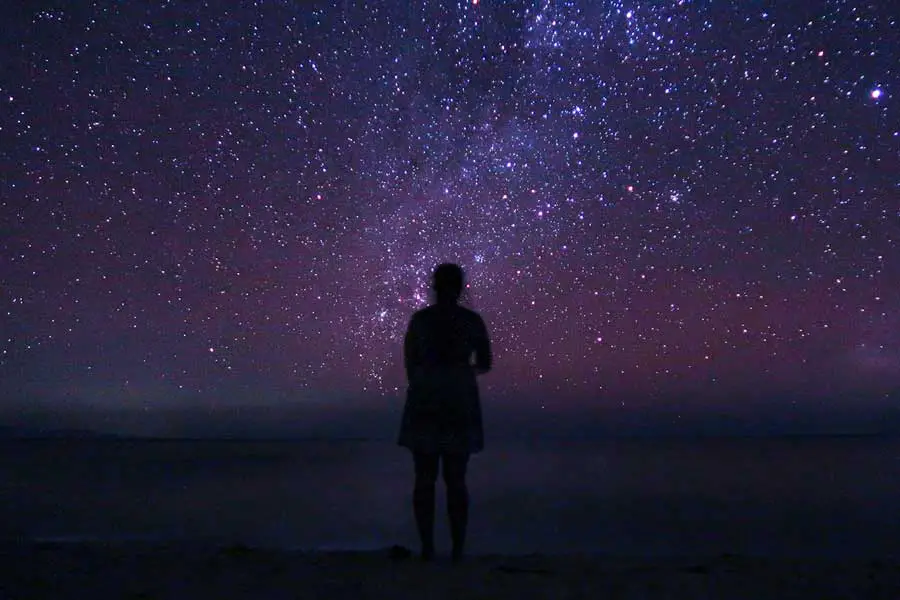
(473, 321)
(457, 311)
(470, 314)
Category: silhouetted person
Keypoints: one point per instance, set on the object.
(445, 346)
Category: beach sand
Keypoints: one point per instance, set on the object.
(148, 571)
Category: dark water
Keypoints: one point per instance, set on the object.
(775, 496)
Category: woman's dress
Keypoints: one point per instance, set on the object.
(442, 414)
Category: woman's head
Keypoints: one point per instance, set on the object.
(448, 282)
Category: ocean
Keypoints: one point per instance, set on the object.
(780, 496)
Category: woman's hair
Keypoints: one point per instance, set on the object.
(448, 281)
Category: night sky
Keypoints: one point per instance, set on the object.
(656, 203)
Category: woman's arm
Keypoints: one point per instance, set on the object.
(411, 358)
(484, 360)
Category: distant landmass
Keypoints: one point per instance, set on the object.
(16, 433)
(503, 419)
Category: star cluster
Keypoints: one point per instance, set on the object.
(204, 202)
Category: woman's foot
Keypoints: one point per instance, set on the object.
(428, 554)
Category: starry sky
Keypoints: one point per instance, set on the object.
(657, 204)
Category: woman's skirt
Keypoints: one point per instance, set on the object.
(442, 413)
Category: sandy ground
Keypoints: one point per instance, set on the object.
(156, 571)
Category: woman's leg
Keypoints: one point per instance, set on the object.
(457, 499)
(426, 465)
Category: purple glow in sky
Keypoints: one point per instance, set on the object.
(205, 205)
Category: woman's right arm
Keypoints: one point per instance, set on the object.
(410, 350)
(484, 360)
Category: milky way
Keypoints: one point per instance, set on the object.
(649, 199)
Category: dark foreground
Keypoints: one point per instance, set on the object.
(146, 571)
